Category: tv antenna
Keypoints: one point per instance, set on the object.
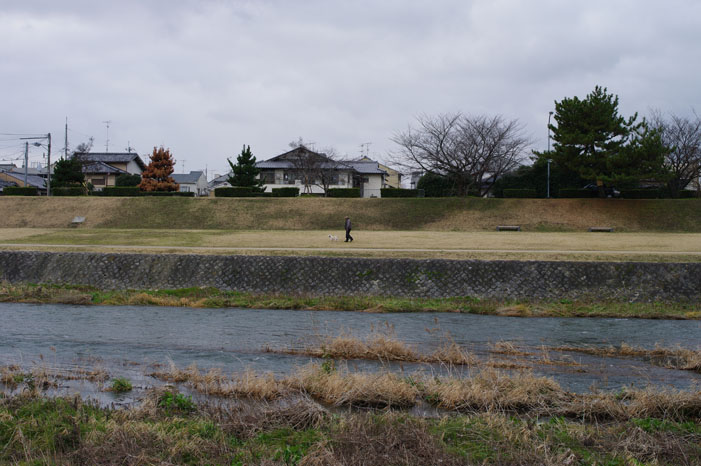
(107, 139)
(365, 149)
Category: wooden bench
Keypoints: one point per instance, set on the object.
(601, 229)
(508, 227)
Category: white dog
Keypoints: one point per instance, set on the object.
(333, 237)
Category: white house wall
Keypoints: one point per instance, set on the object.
(372, 187)
(133, 168)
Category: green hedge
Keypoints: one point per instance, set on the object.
(20, 191)
(167, 194)
(577, 193)
(285, 192)
(688, 194)
(343, 192)
(396, 192)
(520, 193)
(235, 191)
(640, 193)
(68, 191)
(122, 191)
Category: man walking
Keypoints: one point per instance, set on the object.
(348, 230)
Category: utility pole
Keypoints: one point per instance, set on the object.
(26, 161)
(48, 178)
(107, 139)
(65, 153)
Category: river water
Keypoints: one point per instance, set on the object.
(125, 340)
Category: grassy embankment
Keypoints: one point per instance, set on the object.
(213, 298)
(446, 214)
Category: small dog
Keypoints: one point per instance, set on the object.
(333, 237)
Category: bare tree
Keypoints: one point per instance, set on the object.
(314, 168)
(682, 137)
(473, 150)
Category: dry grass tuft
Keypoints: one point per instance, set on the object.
(490, 389)
(362, 439)
(672, 358)
(340, 387)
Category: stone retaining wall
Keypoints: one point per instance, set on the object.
(632, 281)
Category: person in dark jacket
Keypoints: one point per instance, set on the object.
(348, 230)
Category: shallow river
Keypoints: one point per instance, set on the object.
(125, 340)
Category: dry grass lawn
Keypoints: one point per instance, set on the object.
(413, 244)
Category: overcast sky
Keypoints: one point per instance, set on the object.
(205, 77)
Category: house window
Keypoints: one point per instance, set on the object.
(98, 181)
(268, 177)
(184, 189)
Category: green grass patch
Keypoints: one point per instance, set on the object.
(208, 297)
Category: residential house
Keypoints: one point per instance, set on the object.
(193, 182)
(102, 168)
(393, 178)
(14, 176)
(290, 170)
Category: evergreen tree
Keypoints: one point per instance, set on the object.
(68, 171)
(592, 140)
(245, 171)
(157, 177)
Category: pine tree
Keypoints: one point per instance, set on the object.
(244, 173)
(157, 177)
(592, 140)
(68, 171)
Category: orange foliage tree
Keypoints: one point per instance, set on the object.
(157, 177)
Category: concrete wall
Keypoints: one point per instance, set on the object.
(351, 276)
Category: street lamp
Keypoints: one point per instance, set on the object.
(48, 147)
(550, 114)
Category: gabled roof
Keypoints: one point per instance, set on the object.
(102, 167)
(366, 167)
(32, 180)
(112, 157)
(187, 178)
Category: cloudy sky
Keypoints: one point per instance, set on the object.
(205, 77)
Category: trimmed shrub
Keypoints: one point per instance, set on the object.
(122, 191)
(396, 192)
(68, 191)
(343, 192)
(126, 179)
(285, 192)
(167, 194)
(20, 191)
(234, 191)
(520, 193)
(577, 193)
(688, 194)
(641, 193)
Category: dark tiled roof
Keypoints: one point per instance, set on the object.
(102, 167)
(187, 178)
(111, 157)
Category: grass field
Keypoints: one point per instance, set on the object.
(436, 214)
(410, 244)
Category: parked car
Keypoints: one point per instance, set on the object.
(610, 190)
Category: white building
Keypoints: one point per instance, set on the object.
(193, 182)
(312, 172)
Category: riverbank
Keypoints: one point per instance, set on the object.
(537, 425)
(214, 298)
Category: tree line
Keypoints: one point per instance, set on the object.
(592, 145)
